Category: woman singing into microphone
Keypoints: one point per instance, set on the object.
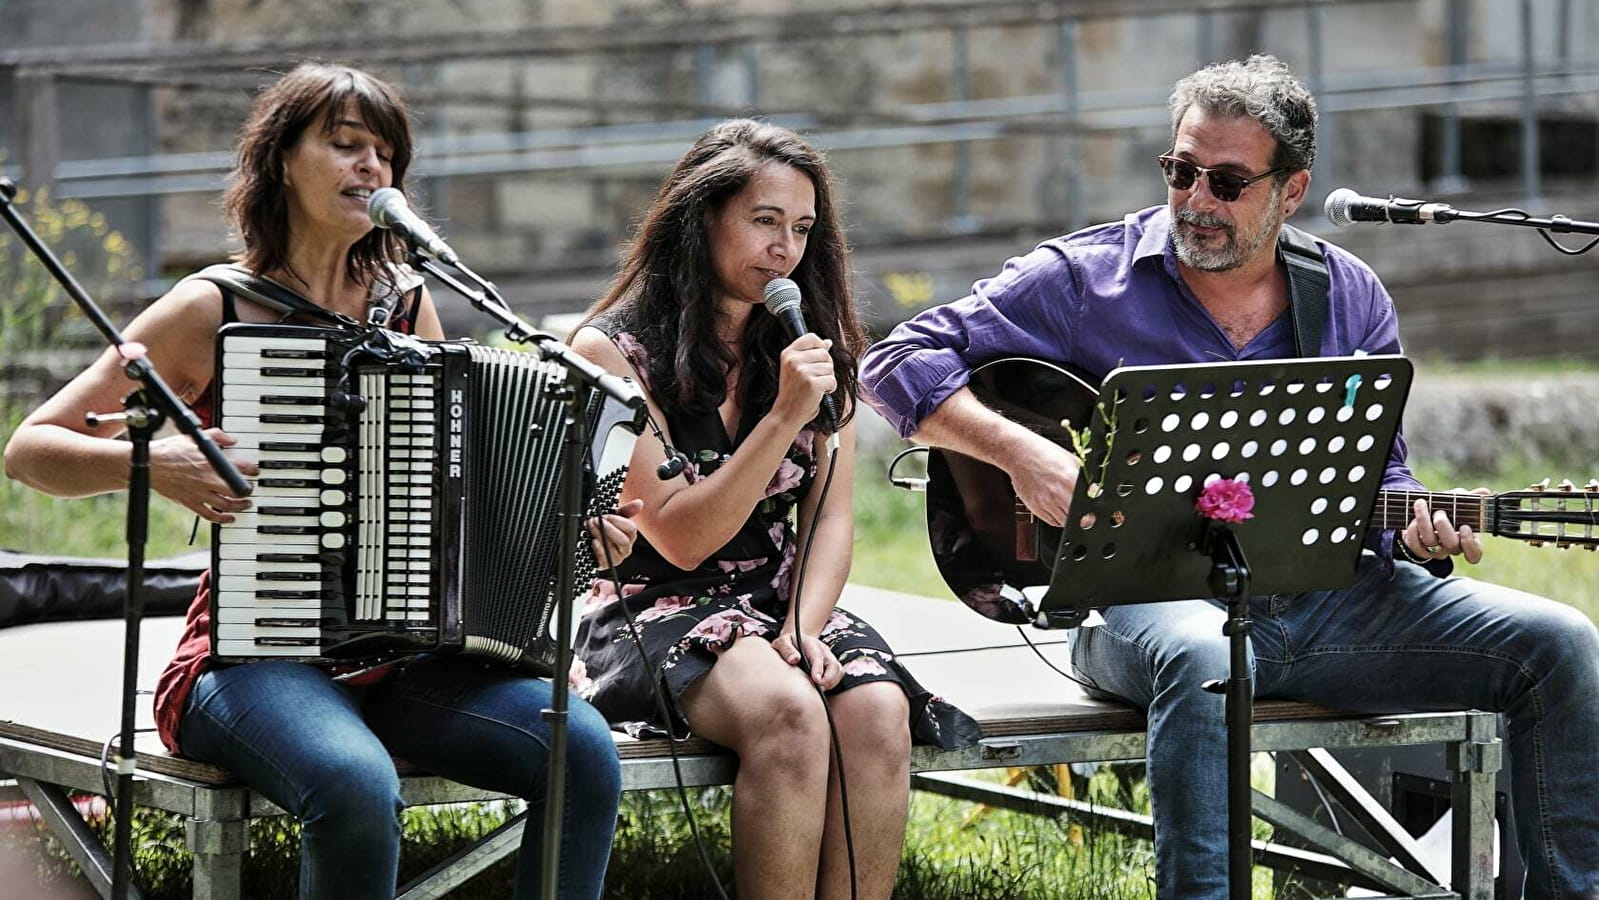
(732, 595)
(316, 146)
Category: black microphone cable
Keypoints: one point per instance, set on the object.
(1022, 632)
(108, 788)
(805, 665)
(663, 710)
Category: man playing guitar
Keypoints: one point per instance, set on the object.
(1203, 279)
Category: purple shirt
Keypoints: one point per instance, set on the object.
(1104, 297)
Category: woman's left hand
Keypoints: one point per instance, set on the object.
(825, 670)
(613, 534)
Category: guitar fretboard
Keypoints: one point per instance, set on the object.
(1395, 509)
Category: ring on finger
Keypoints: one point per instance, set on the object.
(1433, 548)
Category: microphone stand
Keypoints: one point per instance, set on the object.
(1556, 223)
(145, 410)
(1443, 213)
(590, 378)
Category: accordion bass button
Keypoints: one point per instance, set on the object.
(334, 455)
(332, 519)
(332, 498)
(333, 476)
(334, 541)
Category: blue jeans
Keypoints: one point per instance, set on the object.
(1412, 643)
(321, 750)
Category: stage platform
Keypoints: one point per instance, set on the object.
(59, 708)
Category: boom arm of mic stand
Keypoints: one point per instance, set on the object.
(487, 299)
(139, 370)
(1556, 223)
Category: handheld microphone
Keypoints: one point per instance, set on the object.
(672, 466)
(388, 209)
(782, 297)
(1345, 207)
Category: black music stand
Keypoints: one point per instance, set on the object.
(1311, 437)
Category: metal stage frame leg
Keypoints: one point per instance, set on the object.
(219, 836)
(455, 871)
(1391, 863)
(82, 844)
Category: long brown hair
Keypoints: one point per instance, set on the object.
(665, 290)
(257, 202)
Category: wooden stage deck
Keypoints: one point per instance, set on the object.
(60, 704)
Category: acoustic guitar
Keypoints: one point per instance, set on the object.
(988, 547)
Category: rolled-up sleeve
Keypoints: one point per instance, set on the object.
(1022, 311)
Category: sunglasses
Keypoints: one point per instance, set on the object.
(1224, 185)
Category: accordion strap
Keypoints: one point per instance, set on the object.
(269, 293)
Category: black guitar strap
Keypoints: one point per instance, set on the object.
(1308, 286)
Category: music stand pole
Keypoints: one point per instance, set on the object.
(1229, 581)
(145, 411)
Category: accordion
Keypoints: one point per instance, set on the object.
(408, 498)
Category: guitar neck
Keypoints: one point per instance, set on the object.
(1395, 509)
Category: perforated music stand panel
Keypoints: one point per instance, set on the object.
(1310, 436)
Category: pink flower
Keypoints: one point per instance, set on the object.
(1226, 500)
(720, 629)
(602, 593)
(578, 678)
(781, 579)
(836, 621)
(633, 350)
(664, 607)
(787, 477)
(863, 665)
(729, 566)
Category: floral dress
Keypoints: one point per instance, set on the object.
(685, 619)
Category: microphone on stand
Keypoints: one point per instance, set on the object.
(782, 297)
(388, 209)
(1345, 207)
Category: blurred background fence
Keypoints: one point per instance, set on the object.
(962, 131)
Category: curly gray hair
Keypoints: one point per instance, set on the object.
(1262, 88)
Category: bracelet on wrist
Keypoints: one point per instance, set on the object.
(1402, 550)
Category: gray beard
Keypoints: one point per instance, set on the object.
(1232, 253)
